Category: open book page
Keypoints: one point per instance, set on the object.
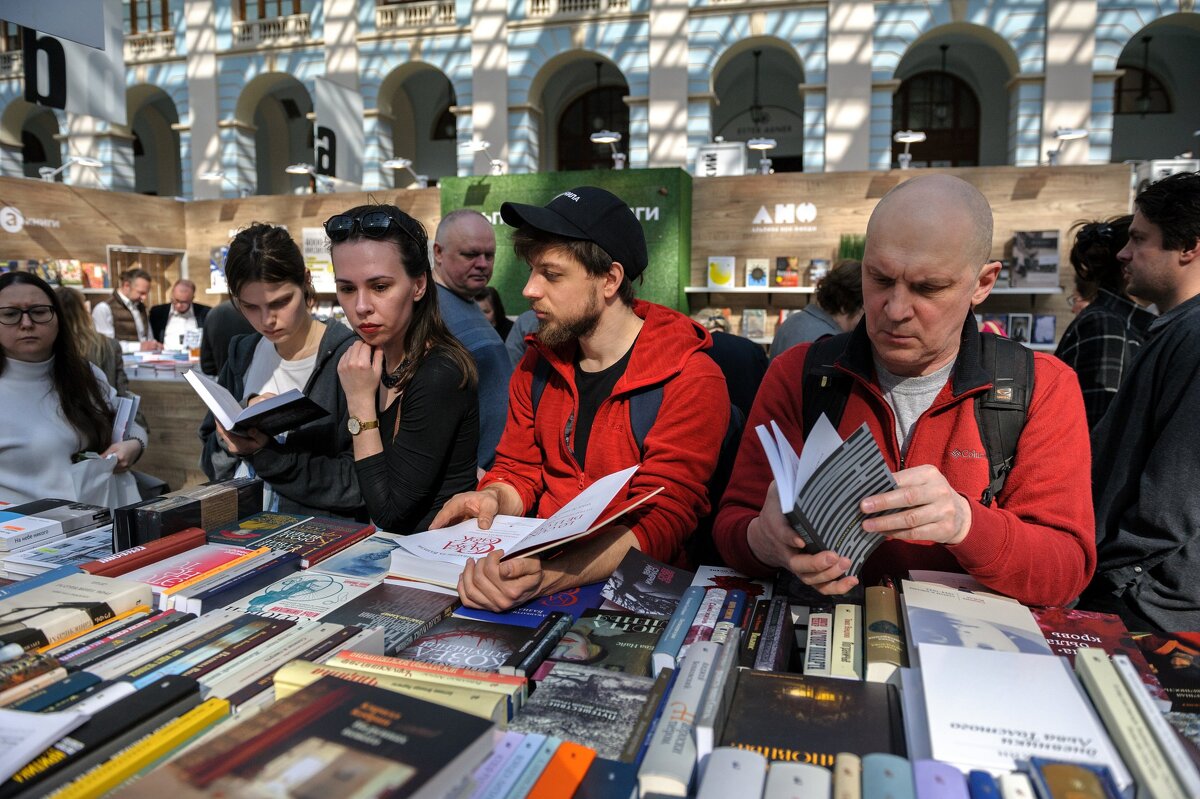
(792, 471)
(218, 399)
(822, 441)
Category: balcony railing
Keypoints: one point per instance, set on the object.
(550, 8)
(419, 14)
(292, 29)
(11, 65)
(146, 46)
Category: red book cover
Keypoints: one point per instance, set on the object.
(179, 569)
(128, 560)
(1175, 660)
(1067, 630)
(317, 539)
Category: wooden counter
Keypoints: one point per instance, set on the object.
(174, 413)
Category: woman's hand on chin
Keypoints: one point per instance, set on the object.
(359, 371)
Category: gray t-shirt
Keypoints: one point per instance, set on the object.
(910, 397)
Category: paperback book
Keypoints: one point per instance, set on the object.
(611, 640)
(248, 531)
(307, 595)
(643, 585)
(318, 538)
(573, 602)
(935, 614)
(470, 644)
(404, 612)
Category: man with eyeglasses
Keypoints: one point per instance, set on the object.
(123, 315)
(1145, 461)
(464, 253)
(171, 321)
(572, 397)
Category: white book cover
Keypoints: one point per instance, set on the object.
(730, 771)
(722, 271)
(727, 578)
(305, 595)
(670, 759)
(935, 614)
(798, 781)
(72, 551)
(989, 710)
(71, 604)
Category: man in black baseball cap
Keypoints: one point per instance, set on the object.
(608, 382)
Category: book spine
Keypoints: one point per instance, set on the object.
(234, 676)
(329, 550)
(667, 649)
(816, 649)
(733, 772)
(237, 649)
(884, 636)
(813, 542)
(65, 688)
(533, 772)
(710, 719)
(638, 738)
(172, 645)
(942, 780)
(847, 776)
(383, 664)
(886, 774)
(129, 559)
(1016, 785)
(1168, 740)
(754, 631)
(565, 771)
(239, 586)
(22, 668)
(798, 781)
(732, 615)
(512, 769)
(846, 662)
(45, 578)
(509, 692)
(31, 686)
(671, 757)
(551, 623)
(252, 555)
(705, 621)
(1129, 732)
(775, 647)
(489, 769)
(85, 657)
(982, 785)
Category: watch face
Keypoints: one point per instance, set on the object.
(354, 426)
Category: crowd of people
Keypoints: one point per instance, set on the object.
(443, 409)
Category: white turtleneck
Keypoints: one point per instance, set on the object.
(36, 442)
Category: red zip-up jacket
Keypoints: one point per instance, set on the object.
(1036, 542)
(680, 449)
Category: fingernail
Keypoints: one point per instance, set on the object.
(868, 506)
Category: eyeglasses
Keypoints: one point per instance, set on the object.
(38, 314)
(373, 224)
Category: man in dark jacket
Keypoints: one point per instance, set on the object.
(178, 316)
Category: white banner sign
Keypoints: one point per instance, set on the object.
(73, 77)
(339, 140)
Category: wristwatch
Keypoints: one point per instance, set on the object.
(356, 425)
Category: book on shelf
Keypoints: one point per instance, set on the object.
(732, 616)
(787, 271)
(271, 416)
(404, 612)
(334, 738)
(533, 771)
(798, 781)
(704, 623)
(754, 322)
(754, 633)
(820, 490)
(237, 582)
(643, 585)
(565, 771)
(247, 531)
(1035, 259)
(758, 272)
(288, 645)
(847, 776)
(1044, 329)
(935, 614)
(730, 579)
(78, 684)
(439, 556)
(18, 531)
(57, 610)
(142, 630)
(612, 640)
(721, 272)
(588, 705)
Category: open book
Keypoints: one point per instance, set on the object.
(439, 556)
(820, 491)
(272, 416)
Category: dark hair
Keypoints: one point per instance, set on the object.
(490, 294)
(426, 331)
(76, 323)
(266, 253)
(84, 404)
(840, 291)
(135, 273)
(1094, 253)
(1173, 204)
(529, 243)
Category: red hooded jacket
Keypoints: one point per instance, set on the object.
(1036, 542)
(680, 449)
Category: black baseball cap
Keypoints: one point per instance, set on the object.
(590, 214)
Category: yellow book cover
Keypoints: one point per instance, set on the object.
(145, 752)
(484, 704)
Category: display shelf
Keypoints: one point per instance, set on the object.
(1027, 290)
(749, 290)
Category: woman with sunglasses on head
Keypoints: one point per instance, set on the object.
(309, 470)
(410, 385)
(55, 404)
(1102, 339)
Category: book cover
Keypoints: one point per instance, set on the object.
(612, 640)
(731, 579)
(317, 538)
(127, 560)
(1035, 259)
(1044, 328)
(818, 639)
(884, 650)
(470, 644)
(76, 550)
(530, 655)
(594, 707)
(1066, 630)
(306, 595)
(847, 653)
(643, 585)
(935, 614)
(758, 272)
(787, 271)
(334, 738)
(803, 719)
(991, 709)
(1175, 660)
(273, 416)
(754, 323)
(18, 531)
(57, 610)
(573, 602)
(1020, 327)
(177, 570)
(369, 558)
(404, 612)
(722, 272)
(249, 531)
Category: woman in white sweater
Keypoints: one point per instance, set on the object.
(53, 403)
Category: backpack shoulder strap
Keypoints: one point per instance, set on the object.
(1001, 412)
(825, 388)
(643, 410)
(541, 375)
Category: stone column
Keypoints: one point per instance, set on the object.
(200, 42)
(848, 86)
(1067, 97)
(667, 114)
(489, 85)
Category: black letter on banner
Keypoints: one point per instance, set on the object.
(56, 64)
(326, 151)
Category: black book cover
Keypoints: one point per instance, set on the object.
(208, 506)
(469, 644)
(536, 649)
(404, 613)
(801, 719)
(613, 640)
(280, 418)
(334, 738)
(641, 584)
(754, 633)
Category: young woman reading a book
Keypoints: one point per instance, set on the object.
(309, 470)
(55, 403)
(410, 385)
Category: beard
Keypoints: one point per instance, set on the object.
(554, 334)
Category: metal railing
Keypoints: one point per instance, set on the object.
(11, 65)
(291, 29)
(550, 8)
(404, 16)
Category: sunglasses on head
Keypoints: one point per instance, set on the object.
(373, 224)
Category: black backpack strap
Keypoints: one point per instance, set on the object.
(1001, 412)
(541, 375)
(826, 389)
(643, 410)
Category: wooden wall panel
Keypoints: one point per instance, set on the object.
(174, 413)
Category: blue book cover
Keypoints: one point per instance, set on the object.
(42, 579)
(52, 694)
(573, 602)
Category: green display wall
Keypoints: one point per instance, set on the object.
(661, 199)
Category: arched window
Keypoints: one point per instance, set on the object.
(1138, 91)
(946, 109)
(602, 108)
